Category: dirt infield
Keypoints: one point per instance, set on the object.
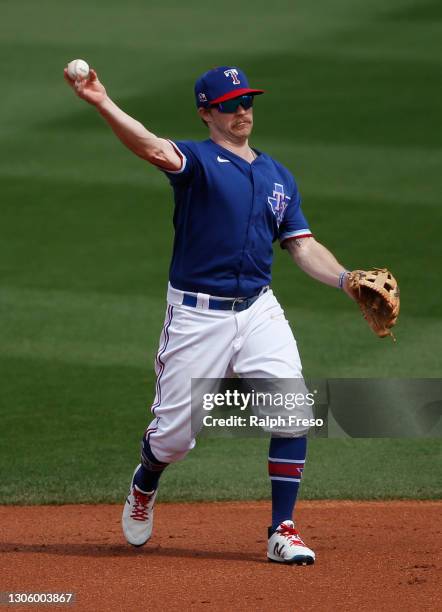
(370, 556)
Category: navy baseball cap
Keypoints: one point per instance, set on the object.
(221, 84)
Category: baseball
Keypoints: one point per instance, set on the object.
(78, 69)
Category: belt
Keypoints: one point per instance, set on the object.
(235, 304)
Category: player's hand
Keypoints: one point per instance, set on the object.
(89, 89)
(346, 287)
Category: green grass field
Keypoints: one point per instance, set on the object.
(352, 108)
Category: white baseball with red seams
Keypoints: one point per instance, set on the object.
(78, 69)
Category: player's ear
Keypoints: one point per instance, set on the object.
(205, 115)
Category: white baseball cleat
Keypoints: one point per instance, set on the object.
(137, 519)
(285, 546)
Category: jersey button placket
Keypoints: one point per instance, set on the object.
(247, 239)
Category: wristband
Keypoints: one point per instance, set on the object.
(341, 279)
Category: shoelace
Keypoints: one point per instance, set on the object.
(139, 513)
(292, 535)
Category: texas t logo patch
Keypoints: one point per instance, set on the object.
(278, 202)
(233, 72)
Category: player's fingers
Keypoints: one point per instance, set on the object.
(79, 85)
(92, 75)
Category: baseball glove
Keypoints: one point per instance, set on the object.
(377, 293)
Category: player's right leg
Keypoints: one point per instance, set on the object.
(194, 343)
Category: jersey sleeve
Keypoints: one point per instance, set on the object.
(189, 163)
(294, 223)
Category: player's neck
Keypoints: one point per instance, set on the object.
(241, 148)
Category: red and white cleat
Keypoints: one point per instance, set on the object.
(137, 519)
(286, 546)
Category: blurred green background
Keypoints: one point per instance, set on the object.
(352, 107)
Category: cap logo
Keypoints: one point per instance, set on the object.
(232, 72)
(202, 97)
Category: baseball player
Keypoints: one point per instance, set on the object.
(231, 203)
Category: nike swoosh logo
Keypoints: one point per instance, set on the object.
(221, 159)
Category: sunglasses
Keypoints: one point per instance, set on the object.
(230, 106)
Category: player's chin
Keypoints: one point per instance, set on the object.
(243, 128)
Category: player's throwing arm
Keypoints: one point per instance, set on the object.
(86, 84)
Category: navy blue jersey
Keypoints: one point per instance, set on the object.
(227, 214)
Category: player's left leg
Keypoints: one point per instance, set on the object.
(268, 350)
(286, 463)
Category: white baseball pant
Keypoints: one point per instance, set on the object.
(200, 343)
